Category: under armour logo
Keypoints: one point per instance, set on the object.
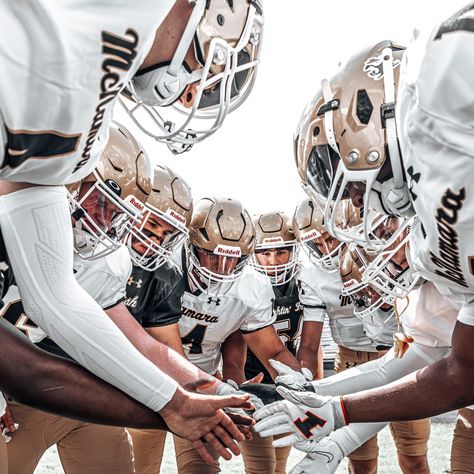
(217, 301)
(414, 178)
(137, 283)
(309, 423)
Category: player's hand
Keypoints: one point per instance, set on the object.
(322, 457)
(293, 379)
(201, 420)
(304, 414)
(7, 425)
(231, 388)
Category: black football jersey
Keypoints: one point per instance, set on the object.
(288, 324)
(154, 298)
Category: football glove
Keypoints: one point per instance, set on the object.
(292, 379)
(304, 414)
(322, 457)
(231, 388)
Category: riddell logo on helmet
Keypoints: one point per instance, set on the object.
(310, 235)
(272, 240)
(349, 284)
(227, 251)
(136, 203)
(176, 216)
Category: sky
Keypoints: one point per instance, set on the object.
(251, 157)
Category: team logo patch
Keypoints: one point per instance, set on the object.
(227, 251)
(374, 67)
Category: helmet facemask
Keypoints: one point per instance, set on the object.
(157, 98)
(147, 236)
(102, 218)
(279, 274)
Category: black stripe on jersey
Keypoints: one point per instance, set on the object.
(255, 330)
(121, 300)
(317, 306)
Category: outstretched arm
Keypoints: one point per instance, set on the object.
(443, 386)
(37, 378)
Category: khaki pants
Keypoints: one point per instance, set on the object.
(189, 461)
(260, 457)
(3, 456)
(411, 437)
(148, 447)
(83, 448)
(462, 452)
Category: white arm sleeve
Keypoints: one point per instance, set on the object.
(379, 372)
(351, 437)
(36, 227)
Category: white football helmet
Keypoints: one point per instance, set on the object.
(179, 106)
(106, 204)
(274, 233)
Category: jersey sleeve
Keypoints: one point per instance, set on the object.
(260, 306)
(106, 281)
(314, 309)
(166, 305)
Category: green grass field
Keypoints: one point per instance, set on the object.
(439, 453)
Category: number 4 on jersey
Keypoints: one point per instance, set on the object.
(194, 338)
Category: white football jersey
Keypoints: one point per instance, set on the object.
(320, 294)
(436, 128)
(3, 404)
(430, 317)
(208, 319)
(63, 64)
(105, 279)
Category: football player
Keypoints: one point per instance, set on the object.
(224, 296)
(56, 110)
(425, 175)
(277, 257)
(363, 329)
(156, 286)
(103, 209)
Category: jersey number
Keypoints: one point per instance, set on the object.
(285, 330)
(24, 144)
(195, 338)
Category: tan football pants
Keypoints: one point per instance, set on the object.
(148, 447)
(411, 437)
(3, 456)
(462, 452)
(83, 448)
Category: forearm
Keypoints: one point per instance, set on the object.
(309, 358)
(168, 360)
(372, 374)
(59, 386)
(438, 388)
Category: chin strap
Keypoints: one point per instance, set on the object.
(395, 193)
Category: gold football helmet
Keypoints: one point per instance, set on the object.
(106, 204)
(310, 230)
(165, 221)
(221, 240)
(180, 106)
(276, 249)
(346, 143)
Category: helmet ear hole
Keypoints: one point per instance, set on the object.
(203, 232)
(364, 107)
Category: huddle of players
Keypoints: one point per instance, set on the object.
(232, 294)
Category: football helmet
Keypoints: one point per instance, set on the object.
(366, 299)
(390, 272)
(310, 230)
(106, 204)
(221, 240)
(164, 224)
(274, 236)
(346, 144)
(179, 106)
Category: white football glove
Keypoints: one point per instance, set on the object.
(305, 414)
(231, 388)
(323, 457)
(292, 379)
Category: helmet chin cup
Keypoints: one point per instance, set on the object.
(396, 200)
(159, 87)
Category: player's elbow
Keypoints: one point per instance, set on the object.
(460, 374)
